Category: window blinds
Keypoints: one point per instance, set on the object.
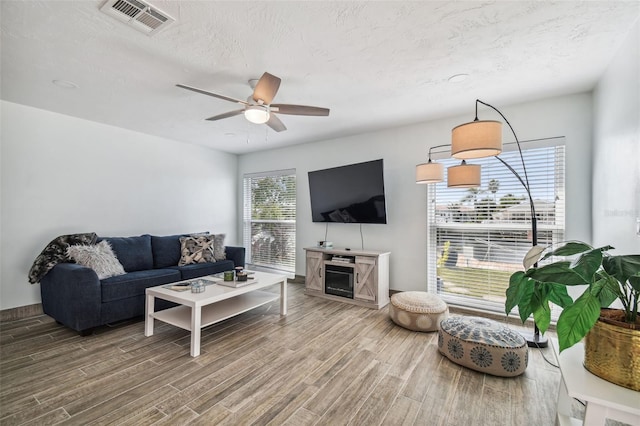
(478, 237)
(269, 218)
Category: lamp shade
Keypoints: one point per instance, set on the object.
(256, 114)
(476, 139)
(429, 172)
(463, 176)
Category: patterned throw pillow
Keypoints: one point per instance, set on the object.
(196, 249)
(99, 257)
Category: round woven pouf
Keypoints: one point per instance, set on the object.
(418, 310)
(483, 345)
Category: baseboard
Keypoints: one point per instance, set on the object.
(298, 279)
(21, 312)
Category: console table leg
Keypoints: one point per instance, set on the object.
(283, 297)
(148, 318)
(564, 401)
(196, 322)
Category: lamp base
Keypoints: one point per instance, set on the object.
(535, 340)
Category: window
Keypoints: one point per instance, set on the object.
(270, 219)
(478, 237)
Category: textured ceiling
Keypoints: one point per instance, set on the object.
(374, 64)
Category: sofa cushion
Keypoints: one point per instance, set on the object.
(166, 250)
(134, 283)
(133, 252)
(99, 257)
(196, 270)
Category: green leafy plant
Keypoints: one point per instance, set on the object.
(445, 254)
(606, 278)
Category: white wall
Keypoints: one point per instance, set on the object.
(65, 175)
(404, 147)
(616, 160)
(62, 175)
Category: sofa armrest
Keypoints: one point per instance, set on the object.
(236, 254)
(72, 295)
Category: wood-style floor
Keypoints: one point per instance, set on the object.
(325, 363)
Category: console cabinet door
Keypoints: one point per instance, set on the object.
(366, 280)
(314, 279)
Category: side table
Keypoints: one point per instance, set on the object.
(603, 399)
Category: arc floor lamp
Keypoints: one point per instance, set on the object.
(480, 139)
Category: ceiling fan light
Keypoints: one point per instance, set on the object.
(476, 139)
(429, 173)
(256, 114)
(463, 176)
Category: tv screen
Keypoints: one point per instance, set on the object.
(348, 194)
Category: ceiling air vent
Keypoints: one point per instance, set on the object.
(138, 14)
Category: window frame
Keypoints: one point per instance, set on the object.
(248, 220)
(557, 230)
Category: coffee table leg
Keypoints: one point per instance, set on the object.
(148, 318)
(196, 322)
(595, 414)
(283, 297)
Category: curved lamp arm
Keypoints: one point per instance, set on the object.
(525, 181)
(535, 340)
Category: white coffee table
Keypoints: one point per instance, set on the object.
(215, 304)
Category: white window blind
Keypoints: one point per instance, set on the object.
(478, 237)
(269, 233)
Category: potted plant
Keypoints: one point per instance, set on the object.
(605, 278)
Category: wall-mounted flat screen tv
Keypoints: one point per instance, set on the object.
(348, 194)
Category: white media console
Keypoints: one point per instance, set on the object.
(360, 277)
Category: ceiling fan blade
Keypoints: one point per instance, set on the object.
(215, 95)
(225, 115)
(275, 123)
(266, 88)
(300, 110)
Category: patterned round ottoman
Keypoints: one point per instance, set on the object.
(418, 310)
(483, 345)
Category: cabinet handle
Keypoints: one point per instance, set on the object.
(320, 272)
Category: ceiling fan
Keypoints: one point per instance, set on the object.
(258, 107)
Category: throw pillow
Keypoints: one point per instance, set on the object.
(99, 257)
(218, 247)
(196, 250)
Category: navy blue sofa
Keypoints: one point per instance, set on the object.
(74, 296)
